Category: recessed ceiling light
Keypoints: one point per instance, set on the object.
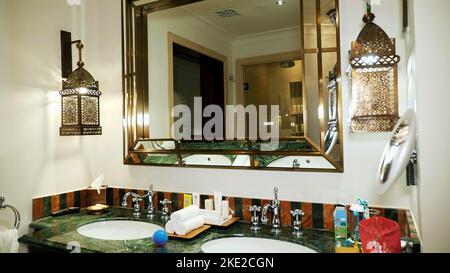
(228, 12)
(74, 2)
(280, 2)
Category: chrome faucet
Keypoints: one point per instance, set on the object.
(136, 199)
(275, 207)
(298, 227)
(151, 207)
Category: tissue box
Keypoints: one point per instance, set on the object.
(93, 198)
(213, 217)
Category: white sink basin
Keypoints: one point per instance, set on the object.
(252, 245)
(118, 230)
(207, 160)
(306, 162)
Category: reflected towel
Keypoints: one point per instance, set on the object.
(9, 241)
(183, 228)
(170, 227)
(185, 214)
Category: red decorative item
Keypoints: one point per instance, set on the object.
(380, 235)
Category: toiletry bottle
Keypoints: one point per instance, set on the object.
(218, 201)
(196, 199)
(340, 223)
(187, 200)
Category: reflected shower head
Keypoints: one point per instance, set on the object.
(287, 64)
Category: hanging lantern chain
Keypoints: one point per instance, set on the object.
(369, 7)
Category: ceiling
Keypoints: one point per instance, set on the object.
(255, 16)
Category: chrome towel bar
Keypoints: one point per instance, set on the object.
(3, 205)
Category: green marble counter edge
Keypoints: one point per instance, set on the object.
(56, 233)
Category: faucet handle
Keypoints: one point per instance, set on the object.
(256, 225)
(255, 210)
(297, 214)
(165, 209)
(136, 198)
(165, 202)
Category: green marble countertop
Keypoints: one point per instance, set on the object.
(55, 233)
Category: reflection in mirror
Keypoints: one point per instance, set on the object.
(214, 145)
(292, 145)
(295, 162)
(155, 145)
(204, 46)
(216, 160)
(277, 83)
(153, 159)
(250, 54)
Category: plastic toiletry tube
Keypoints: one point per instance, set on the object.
(218, 201)
(225, 208)
(196, 199)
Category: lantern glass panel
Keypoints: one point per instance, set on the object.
(70, 110)
(89, 110)
(376, 99)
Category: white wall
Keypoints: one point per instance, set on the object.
(431, 58)
(36, 161)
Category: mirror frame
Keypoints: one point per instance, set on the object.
(135, 86)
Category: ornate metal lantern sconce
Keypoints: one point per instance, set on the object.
(80, 95)
(374, 80)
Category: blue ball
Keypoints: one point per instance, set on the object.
(160, 237)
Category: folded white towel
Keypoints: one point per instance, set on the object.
(9, 241)
(185, 214)
(170, 226)
(183, 228)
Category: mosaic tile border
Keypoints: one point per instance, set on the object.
(317, 216)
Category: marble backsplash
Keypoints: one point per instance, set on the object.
(317, 216)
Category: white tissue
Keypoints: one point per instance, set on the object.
(213, 217)
(185, 214)
(209, 204)
(183, 228)
(9, 241)
(98, 183)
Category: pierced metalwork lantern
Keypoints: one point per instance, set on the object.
(80, 102)
(374, 80)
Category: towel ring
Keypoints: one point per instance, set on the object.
(3, 205)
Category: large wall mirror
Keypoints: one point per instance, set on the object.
(251, 84)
